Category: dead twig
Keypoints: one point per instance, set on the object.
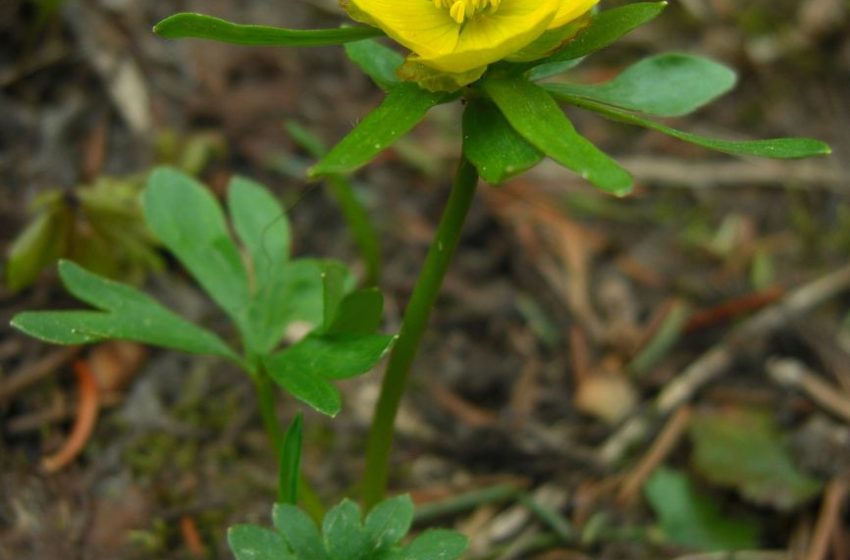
(657, 453)
(829, 518)
(87, 408)
(715, 361)
(32, 373)
(794, 374)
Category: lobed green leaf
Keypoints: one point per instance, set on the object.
(249, 542)
(200, 26)
(127, 314)
(300, 532)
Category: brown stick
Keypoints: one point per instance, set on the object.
(35, 372)
(87, 407)
(828, 518)
(660, 449)
(717, 360)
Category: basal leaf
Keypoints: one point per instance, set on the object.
(606, 28)
(496, 150)
(300, 532)
(691, 519)
(186, 217)
(667, 85)
(250, 542)
(307, 387)
(345, 538)
(403, 107)
(777, 148)
(334, 356)
(389, 522)
(376, 61)
(360, 312)
(127, 314)
(199, 26)
(434, 544)
(535, 115)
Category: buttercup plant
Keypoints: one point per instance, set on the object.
(493, 55)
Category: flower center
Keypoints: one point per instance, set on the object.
(461, 10)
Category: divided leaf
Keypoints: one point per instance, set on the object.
(691, 519)
(389, 521)
(535, 115)
(667, 85)
(344, 536)
(402, 109)
(436, 544)
(496, 150)
(126, 314)
(300, 532)
(200, 26)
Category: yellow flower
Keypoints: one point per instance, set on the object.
(461, 37)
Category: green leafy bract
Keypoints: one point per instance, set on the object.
(200, 26)
(402, 109)
(377, 61)
(535, 116)
(496, 150)
(776, 148)
(345, 536)
(667, 85)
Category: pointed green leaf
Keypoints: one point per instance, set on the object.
(333, 356)
(199, 26)
(300, 532)
(361, 312)
(186, 217)
(535, 115)
(605, 28)
(550, 69)
(389, 521)
(289, 471)
(667, 85)
(441, 544)
(127, 315)
(345, 538)
(777, 148)
(691, 519)
(376, 61)
(493, 147)
(304, 386)
(403, 107)
(250, 542)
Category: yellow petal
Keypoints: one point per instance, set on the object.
(418, 25)
(490, 37)
(570, 10)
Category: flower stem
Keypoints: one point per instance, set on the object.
(265, 396)
(412, 328)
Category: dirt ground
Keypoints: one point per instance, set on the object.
(697, 330)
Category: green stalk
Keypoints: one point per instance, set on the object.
(265, 396)
(412, 328)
